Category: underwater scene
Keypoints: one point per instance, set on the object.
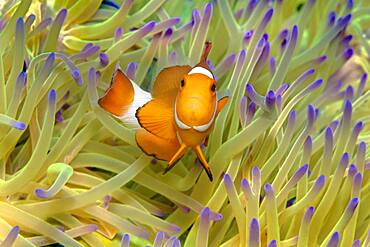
(195, 123)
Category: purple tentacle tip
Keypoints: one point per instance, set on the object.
(320, 181)
(343, 22)
(252, 107)
(344, 160)
(363, 78)
(19, 125)
(21, 79)
(292, 116)
(294, 33)
(248, 35)
(356, 243)
(284, 42)
(348, 53)
(215, 216)
(19, 25)
(208, 9)
(302, 170)
(41, 193)
(358, 127)
(309, 212)
(61, 16)
(350, 92)
(204, 214)
(272, 64)
(76, 74)
(50, 58)
(256, 172)
(334, 124)
(334, 240)
(148, 27)
(168, 32)
(270, 99)
(352, 205)
(254, 231)
(268, 189)
(104, 60)
(347, 39)
(284, 33)
(227, 180)
(331, 18)
(268, 15)
(310, 115)
(244, 183)
(357, 180)
(125, 241)
(272, 243)
(308, 142)
(242, 55)
(52, 96)
(118, 33)
(347, 111)
(349, 4)
(250, 90)
(352, 170)
(261, 43)
(328, 133)
(315, 84)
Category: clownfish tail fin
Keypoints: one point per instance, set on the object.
(119, 95)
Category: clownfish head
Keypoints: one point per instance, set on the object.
(196, 102)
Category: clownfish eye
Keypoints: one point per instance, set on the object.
(182, 83)
(213, 88)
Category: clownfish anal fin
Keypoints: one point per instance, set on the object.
(155, 146)
(119, 95)
(157, 117)
(221, 103)
(168, 80)
(203, 162)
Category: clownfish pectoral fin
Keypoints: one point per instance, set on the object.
(168, 80)
(154, 146)
(157, 117)
(203, 162)
(221, 103)
(119, 95)
(176, 157)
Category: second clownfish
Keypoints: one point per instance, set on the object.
(179, 113)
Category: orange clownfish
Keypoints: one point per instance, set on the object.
(177, 115)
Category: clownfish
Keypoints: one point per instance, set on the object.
(178, 114)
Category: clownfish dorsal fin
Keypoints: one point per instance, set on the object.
(157, 117)
(203, 60)
(168, 80)
(202, 67)
(119, 96)
(207, 49)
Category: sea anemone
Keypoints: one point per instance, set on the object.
(288, 152)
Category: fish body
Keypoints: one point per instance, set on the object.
(178, 114)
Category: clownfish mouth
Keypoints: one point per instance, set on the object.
(199, 128)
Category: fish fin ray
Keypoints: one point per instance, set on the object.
(157, 117)
(155, 146)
